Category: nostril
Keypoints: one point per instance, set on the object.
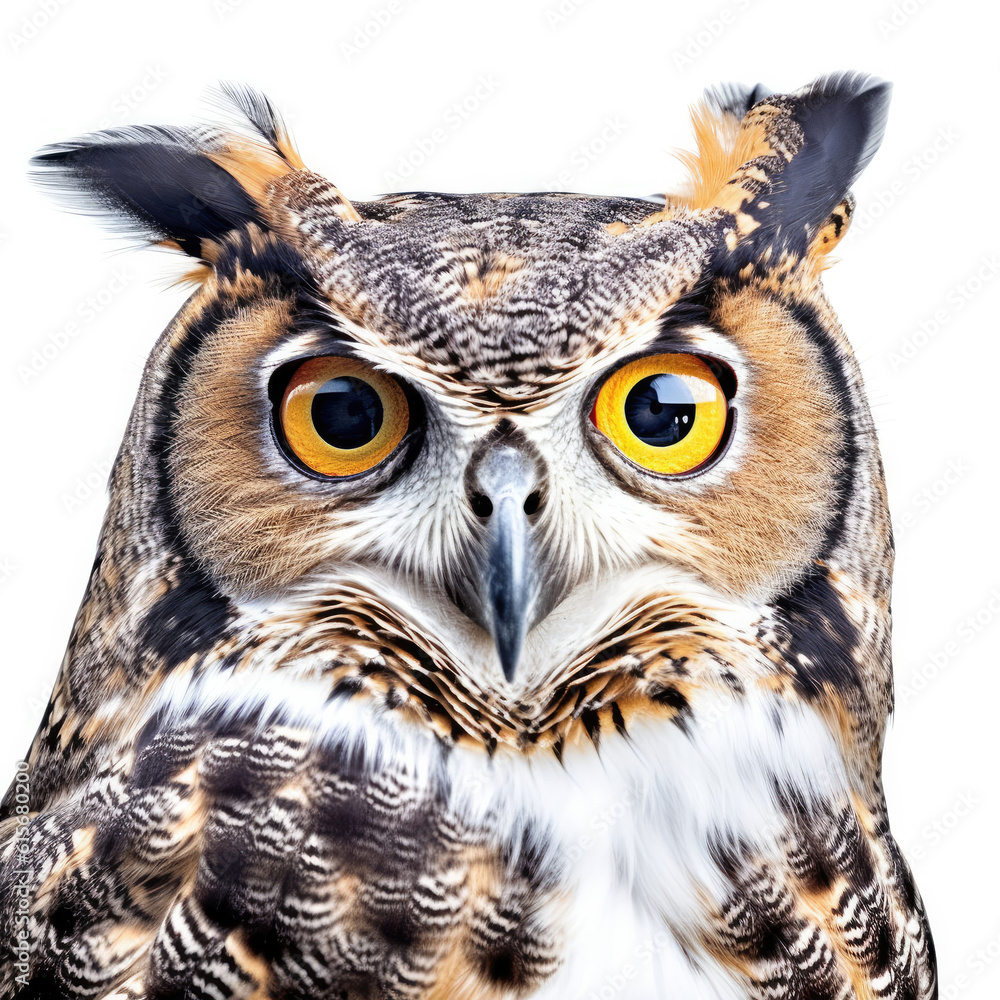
(532, 503)
(482, 506)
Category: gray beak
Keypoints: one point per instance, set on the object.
(510, 581)
(503, 487)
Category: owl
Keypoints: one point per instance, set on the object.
(493, 598)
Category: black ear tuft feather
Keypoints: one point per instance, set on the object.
(176, 185)
(820, 139)
(843, 118)
(158, 181)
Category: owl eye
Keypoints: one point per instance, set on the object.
(666, 412)
(340, 417)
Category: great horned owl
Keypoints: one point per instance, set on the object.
(493, 600)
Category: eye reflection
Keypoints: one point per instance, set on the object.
(346, 412)
(660, 410)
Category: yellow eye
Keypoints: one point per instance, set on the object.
(666, 412)
(341, 417)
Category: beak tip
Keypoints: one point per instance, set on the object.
(509, 650)
(509, 668)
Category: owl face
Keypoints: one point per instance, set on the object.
(494, 492)
(509, 424)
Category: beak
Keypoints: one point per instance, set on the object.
(510, 580)
(502, 589)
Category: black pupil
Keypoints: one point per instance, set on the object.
(346, 412)
(660, 410)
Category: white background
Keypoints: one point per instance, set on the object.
(593, 99)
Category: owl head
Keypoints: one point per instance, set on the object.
(519, 453)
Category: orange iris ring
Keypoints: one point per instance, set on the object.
(697, 445)
(300, 431)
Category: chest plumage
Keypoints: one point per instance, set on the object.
(493, 599)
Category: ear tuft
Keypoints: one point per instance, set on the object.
(735, 99)
(180, 187)
(843, 119)
(832, 231)
(258, 160)
(722, 145)
(157, 183)
(264, 119)
(783, 168)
